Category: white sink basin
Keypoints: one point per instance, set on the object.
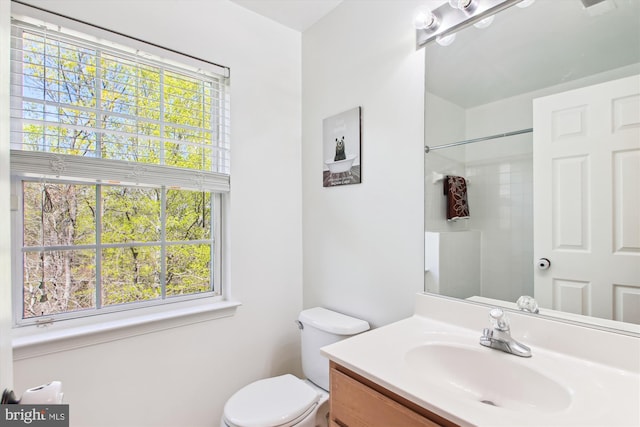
(576, 376)
(482, 375)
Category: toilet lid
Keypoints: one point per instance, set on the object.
(270, 402)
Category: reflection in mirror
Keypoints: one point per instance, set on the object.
(565, 187)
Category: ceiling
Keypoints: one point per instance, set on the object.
(296, 14)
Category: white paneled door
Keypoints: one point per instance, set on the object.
(586, 165)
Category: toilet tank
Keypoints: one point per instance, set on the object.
(322, 327)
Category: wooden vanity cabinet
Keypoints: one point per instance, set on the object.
(358, 402)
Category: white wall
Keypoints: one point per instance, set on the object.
(183, 376)
(363, 243)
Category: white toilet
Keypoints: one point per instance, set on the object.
(287, 401)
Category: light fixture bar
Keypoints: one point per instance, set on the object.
(452, 19)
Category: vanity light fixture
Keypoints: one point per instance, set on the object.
(425, 20)
(446, 40)
(467, 6)
(525, 3)
(484, 23)
(454, 15)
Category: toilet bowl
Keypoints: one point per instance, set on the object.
(286, 400)
(283, 401)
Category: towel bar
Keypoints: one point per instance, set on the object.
(437, 177)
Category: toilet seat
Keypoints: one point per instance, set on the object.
(273, 402)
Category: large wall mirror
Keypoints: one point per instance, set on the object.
(539, 113)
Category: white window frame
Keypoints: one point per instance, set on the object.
(135, 317)
(214, 294)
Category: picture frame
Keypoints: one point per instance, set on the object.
(341, 146)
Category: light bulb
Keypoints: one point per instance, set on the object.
(460, 4)
(484, 23)
(467, 6)
(425, 20)
(446, 40)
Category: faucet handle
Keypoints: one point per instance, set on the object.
(528, 304)
(499, 320)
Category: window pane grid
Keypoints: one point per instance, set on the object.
(93, 94)
(46, 290)
(108, 254)
(117, 223)
(55, 114)
(38, 32)
(70, 127)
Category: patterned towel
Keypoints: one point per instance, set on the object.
(455, 188)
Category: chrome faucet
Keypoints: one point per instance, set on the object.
(500, 338)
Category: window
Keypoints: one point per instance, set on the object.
(120, 167)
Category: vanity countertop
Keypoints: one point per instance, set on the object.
(433, 359)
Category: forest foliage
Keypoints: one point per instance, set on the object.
(90, 245)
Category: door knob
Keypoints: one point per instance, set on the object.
(543, 264)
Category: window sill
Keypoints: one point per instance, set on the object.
(34, 341)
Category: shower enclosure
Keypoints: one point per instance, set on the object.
(489, 254)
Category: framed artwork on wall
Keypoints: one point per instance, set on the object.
(341, 142)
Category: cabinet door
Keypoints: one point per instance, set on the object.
(354, 404)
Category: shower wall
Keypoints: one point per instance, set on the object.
(452, 251)
(500, 182)
(500, 191)
(503, 196)
(444, 122)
